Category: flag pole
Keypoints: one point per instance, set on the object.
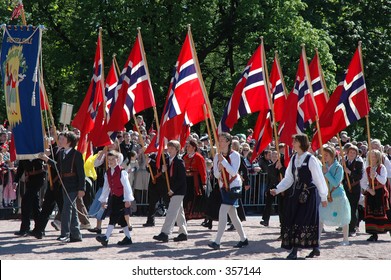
(209, 132)
(212, 118)
(23, 14)
(154, 107)
(326, 92)
(313, 99)
(269, 98)
(309, 81)
(367, 116)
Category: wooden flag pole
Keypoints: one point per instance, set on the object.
(366, 117)
(212, 118)
(308, 78)
(269, 98)
(209, 132)
(323, 81)
(154, 107)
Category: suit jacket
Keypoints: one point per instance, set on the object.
(357, 171)
(177, 175)
(71, 170)
(33, 169)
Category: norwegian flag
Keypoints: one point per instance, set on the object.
(250, 93)
(185, 93)
(347, 104)
(133, 93)
(277, 90)
(263, 133)
(99, 134)
(300, 109)
(85, 117)
(318, 88)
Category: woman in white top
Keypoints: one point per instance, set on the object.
(226, 164)
(305, 181)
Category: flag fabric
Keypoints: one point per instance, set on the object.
(19, 68)
(347, 104)
(17, 11)
(318, 88)
(99, 134)
(300, 110)
(250, 94)
(133, 93)
(42, 96)
(85, 117)
(185, 92)
(277, 90)
(263, 133)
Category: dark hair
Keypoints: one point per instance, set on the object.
(193, 144)
(303, 140)
(72, 138)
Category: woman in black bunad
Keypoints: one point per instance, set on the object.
(376, 197)
(305, 183)
(194, 202)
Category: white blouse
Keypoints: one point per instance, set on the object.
(316, 172)
(232, 169)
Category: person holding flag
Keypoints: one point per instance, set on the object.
(225, 168)
(305, 181)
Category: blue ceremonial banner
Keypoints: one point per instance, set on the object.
(20, 53)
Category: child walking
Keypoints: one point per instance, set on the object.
(116, 184)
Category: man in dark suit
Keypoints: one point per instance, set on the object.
(354, 170)
(157, 189)
(177, 174)
(34, 180)
(70, 165)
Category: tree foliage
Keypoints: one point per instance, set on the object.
(226, 33)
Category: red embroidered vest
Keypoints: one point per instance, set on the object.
(114, 181)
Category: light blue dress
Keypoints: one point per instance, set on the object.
(337, 212)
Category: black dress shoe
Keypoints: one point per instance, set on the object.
(180, 237)
(148, 224)
(161, 237)
(292, 256)
(372, 238)
(73, 240)
(231, 228)
(21, 233)
(266, 224)
(241, 244)
(214, 245)
(125, 241)
(38, 234)
(102, 239)
(95, 230)
(314, 253)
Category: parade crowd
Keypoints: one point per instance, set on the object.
(344, 183)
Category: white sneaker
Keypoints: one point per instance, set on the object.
(344, 243)
(56, 224)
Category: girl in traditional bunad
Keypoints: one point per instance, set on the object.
(337, 212)
(305, 183)
(376, 197)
